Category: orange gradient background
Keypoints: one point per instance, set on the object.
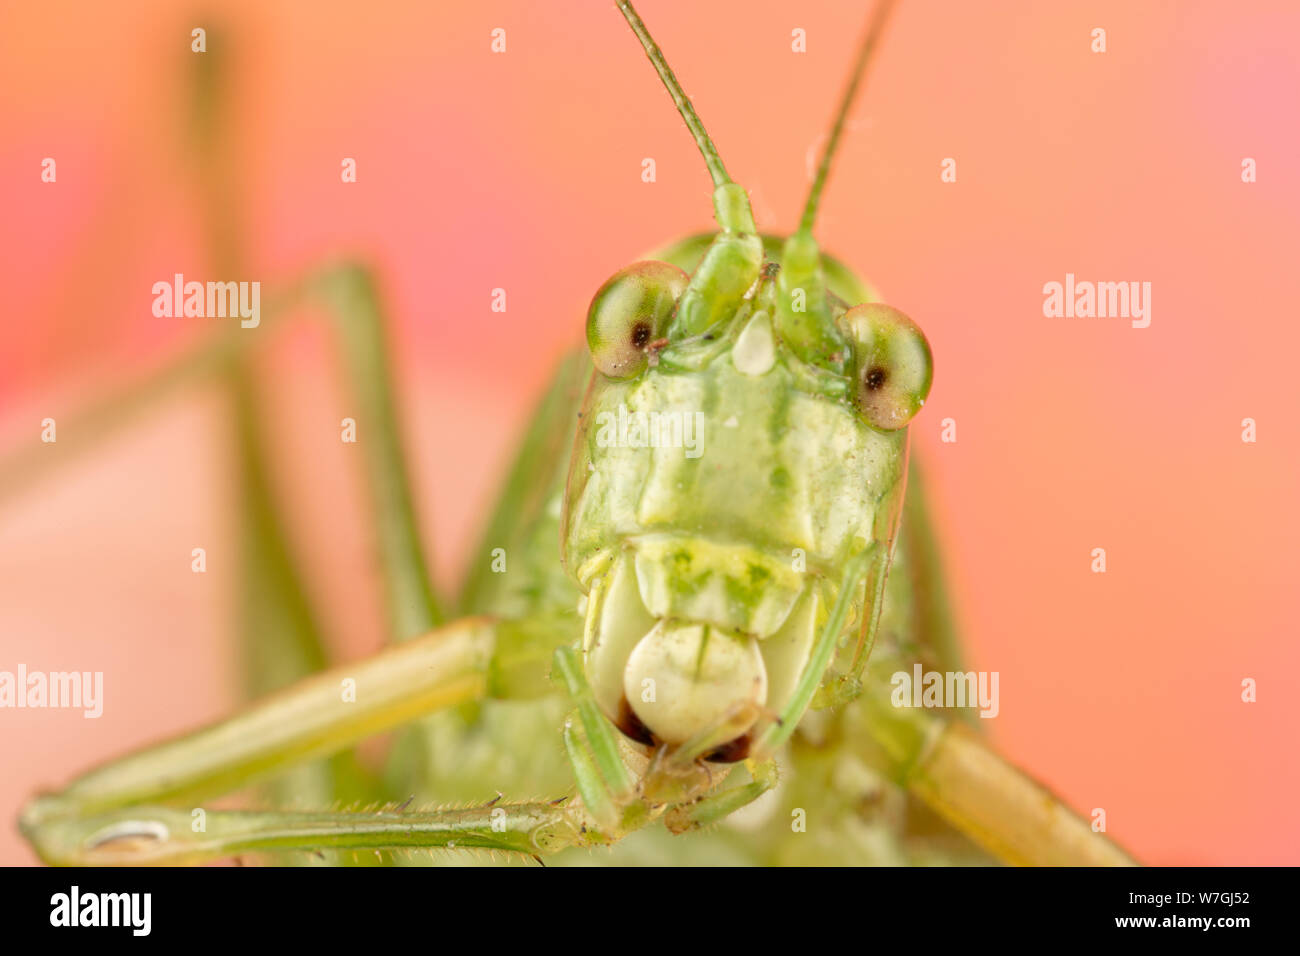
(522, 171)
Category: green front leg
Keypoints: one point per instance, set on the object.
(939, 757)
(318, 716)
(162, 836)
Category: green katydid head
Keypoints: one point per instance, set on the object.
(737, 481)
(879, 355)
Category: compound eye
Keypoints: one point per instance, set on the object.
(893, 362)
(629, 313)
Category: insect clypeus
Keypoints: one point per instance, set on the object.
(719, 622)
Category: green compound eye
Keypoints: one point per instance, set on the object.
(893, 364)
(630, 312)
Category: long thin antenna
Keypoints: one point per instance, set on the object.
(707, 150)
(874, 30)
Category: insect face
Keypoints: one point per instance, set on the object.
(740, 464)
(714, 498)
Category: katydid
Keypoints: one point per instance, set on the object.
(680, 644)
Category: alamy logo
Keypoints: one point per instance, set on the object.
(1102, 300)
(216, 300)
(61, 689)
(626, 429)
(946, 689)
(103, 909)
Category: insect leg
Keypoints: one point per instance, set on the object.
(312, 718)
(280, 635)
(459, 662)
(162, 835)
(602, 737)
(349, 292)
(855, 569)
(604, 782)
(718, 806)
(946, 765)
(594, 790)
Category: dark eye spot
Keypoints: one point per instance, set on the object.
(875, 377)
(641, 334)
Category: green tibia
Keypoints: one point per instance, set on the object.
(314, 717)
(354, 301)
(163, 836)
(946, 766)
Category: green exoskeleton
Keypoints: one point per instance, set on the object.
(698, 607)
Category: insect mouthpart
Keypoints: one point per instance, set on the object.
(676, 664)
(684, 680)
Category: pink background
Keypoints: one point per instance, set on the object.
(522, 171)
